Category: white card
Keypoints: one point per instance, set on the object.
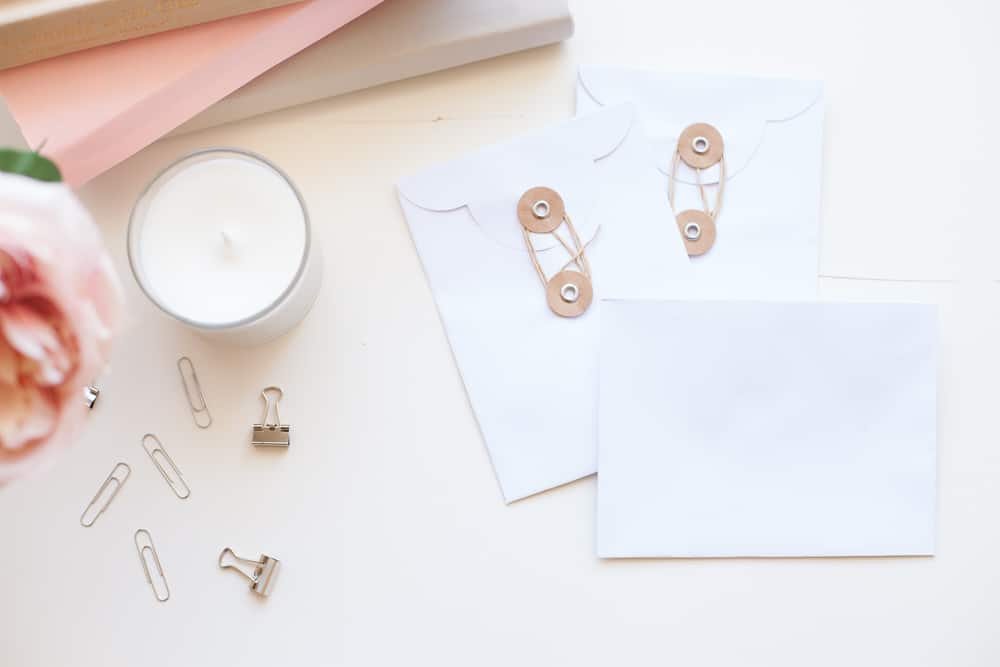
(531, 376)
(766, 429)
(767, 245)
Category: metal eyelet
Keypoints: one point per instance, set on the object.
(541, 209)
(569, 293)
(692, 231)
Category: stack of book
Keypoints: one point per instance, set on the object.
(98, 80)
(32, 30)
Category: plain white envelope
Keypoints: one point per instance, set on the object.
(768, 227)
(766, 429)
(531, 376)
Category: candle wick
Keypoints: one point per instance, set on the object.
(228, 243)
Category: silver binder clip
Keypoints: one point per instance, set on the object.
(118, 479)
(144, 544)
(263, 576)
(177, 483)
(192, 390)
(90, 395)
(268, 433)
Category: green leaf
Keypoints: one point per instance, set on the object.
(30, 164)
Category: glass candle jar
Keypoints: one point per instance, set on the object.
(221, 241)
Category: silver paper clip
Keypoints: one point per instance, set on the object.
(264, 574)
(144, 545)
(177, 483)
(271, 434)
(118, 480)
(192, 390)
(90, 395)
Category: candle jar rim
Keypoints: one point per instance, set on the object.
(131, 240)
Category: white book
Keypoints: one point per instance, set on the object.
(396, 40)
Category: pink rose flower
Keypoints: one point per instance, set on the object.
(59, 305)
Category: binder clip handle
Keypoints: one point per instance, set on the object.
(232, 554)
(271, 396)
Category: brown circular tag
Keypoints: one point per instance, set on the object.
(540, 210)
(698, 231)
(700, 146)
(569, 293)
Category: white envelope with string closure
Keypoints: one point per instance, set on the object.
(499, 280)
(740, 158)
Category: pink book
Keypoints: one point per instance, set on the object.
(97, 107)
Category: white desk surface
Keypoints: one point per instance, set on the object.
(385, 514)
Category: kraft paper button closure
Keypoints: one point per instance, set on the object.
(540, 210)
(700, 146)
(569, 293)
(698, 231)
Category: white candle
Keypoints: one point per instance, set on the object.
(220, 240)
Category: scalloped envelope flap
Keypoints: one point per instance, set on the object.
(491, 181)
(739, 107)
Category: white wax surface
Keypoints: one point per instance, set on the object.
(222, 239)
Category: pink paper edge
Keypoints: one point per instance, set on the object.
(144, 122)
